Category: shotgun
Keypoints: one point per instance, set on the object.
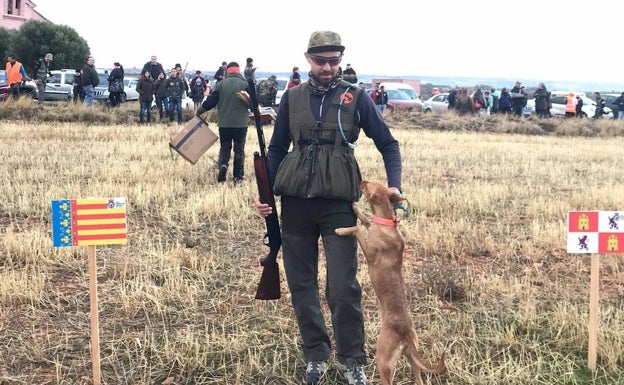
(269, 286)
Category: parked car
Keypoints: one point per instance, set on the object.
(400, 101)
(558, 100)
(61, 86)
(28, 88)
(282, 84)
(436, 103)
(408, 89)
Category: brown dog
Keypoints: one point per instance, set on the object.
(383, 248)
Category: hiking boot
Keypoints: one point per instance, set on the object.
(222, 172)
(314, 372)
(354, 373)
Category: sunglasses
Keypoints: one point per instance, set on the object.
(322, 60)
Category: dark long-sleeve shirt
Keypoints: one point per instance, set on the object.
(370, 122)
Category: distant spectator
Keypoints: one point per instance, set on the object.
(90, 80)
(220, 74)
(578, 109)
(452, 98)
(381, 99)
(250, 70)
(571, 105)
(600, 106)
(77, 89)
(15, 74)
(518, 98)
(145, 88)
(41, 70)
(153, 66)
(542, 100)
(494, 101)
(480, 105)
(116, 84)
(435, 91)
(161, 93)
(267, 91)
(349, 75)
(362, 85)
(197, 87)
(504, 103)
(465, 104)
(295, 78)
(619, 102)
(175, 91)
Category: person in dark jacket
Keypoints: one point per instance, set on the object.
(90, 80)
(176, 87)
(600, 106)
(116, 84)
(619, 102)
(542, 101)
(308, 125)
(504, 103)
(381, 99)
(221, 72)
(518, 98)
(233, 121)
(161, 93)
(153, 66)
(77, 89)
(145, 88)
(198, 87)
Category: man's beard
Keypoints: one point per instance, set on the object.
(318, 86)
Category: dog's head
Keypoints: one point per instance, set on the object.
(379, 195)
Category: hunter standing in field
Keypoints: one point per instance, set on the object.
(41, 71)
(318, 181)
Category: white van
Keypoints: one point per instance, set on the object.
(408, 89)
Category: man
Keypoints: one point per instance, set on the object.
(381, 99)
(267, 91)
(90, 80)
(41, 71)
(318, 182)
(15, 75)
(619, 102)
(349, 75)
(175, 90)
(220, 74)
(233, 120)
(154, 67)
(518, 98)
(600, 105)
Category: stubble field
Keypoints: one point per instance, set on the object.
(488, 277)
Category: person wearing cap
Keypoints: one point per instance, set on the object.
(318, 181)
(295, 78)
(250, 70)
(436, 91)
(267, 91)
(518, 98)
(197, 88)
(350, 75)
(175, 90)
(41, 74)
(116, 84)
(233, 120)
(15, 75)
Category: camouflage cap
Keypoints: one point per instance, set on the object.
(321, 41)
(49, 56)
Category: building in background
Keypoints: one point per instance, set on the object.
(14, 13)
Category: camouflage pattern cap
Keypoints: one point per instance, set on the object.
(321, 41)
(49, 56)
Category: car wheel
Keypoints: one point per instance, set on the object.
(427, 110)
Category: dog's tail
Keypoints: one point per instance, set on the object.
(411, 353)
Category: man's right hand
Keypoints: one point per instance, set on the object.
(262, 208)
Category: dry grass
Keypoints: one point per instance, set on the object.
(488, 277)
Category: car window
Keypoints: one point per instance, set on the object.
(398, 95)
(439, 98)
(558, 100)
(69, 78)
(411, 93)
(282, 84)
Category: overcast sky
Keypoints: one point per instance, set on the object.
(530, 39)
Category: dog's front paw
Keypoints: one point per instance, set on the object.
(344, 231)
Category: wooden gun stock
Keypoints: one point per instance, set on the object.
(269, 286)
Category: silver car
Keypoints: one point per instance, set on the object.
(436, 103)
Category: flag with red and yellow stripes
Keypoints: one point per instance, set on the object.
(83, 222)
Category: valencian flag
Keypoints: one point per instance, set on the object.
(595, 232)
(83, 222)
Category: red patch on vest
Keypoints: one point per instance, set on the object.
(347, 97)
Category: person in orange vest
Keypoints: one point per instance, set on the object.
(570, 106)
(16, 74)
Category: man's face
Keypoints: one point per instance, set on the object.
(324, 65)
(154, 59)
(11, 59)
(90, 61)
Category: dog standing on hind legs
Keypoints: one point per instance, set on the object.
(383, 246)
